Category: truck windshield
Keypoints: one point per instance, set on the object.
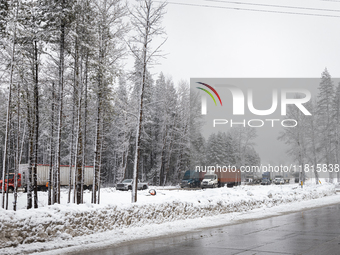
(186, 177)
(210, 177)
(11, 176)
(127, 181)
(190, 175)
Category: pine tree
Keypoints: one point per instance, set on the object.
(213, 150)
(296, 137)
(230, 150)
(325, 114)
(109, 50)
(312, 129)
(243, 139)
(336, 117)
(183, 128)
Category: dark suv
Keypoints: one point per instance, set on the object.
(265, 182)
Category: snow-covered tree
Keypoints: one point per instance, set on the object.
(243, 139)
(146, 20)
(325, 115)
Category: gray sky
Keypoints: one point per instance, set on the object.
(211, 42)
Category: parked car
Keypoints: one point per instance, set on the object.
(209, 181)
(257, 181)
(265, 182)
(127, 185)
(279, 181)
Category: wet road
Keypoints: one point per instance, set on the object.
(315, 231)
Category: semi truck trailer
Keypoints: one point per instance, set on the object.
(225, 177)
(43, 172)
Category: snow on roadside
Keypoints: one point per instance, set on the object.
(65, 223)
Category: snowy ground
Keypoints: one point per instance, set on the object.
(116, 220)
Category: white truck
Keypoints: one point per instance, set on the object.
(127, 185)
(210, 180)
(43, 171)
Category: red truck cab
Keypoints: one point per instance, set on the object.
(9, 182)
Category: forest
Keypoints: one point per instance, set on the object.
(67, 98)
(314, 142)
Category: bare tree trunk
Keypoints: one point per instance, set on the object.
(85, 129)
(36, 140)
(71, 169)
(50, 174)
(78, 148)
(96, 154)
(160, 168)
(30, 149)
(61, 95)
(4, 166)
(99, 106)
(141, 98)
(124, 158)
(78, 161)
(8, 118)
(71, 176)
(17, 152)
(22, 143)
(126, 151)
(167, 169)
(138, 139)
(8, 166)
(99, 168)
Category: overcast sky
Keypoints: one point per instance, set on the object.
(212, 42)
(207, 42)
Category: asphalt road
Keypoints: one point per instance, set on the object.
(315, 231)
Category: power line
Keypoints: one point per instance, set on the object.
(253, 10)
(337, 1)
(277, 6)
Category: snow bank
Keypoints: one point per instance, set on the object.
(68, 220)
